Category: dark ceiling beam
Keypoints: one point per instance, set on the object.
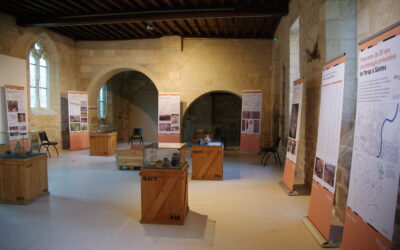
(207, 26)
(51, 7)
(130, 4)
(36, 6)
(154, 15)
(116, 31)
(115, 4)
(103, 5)
(18, 11)
(68, 32)
(130, 32)
(169, 3)
(86, 31)
(80, 6)
(168, 28)
(155, 32)
(217, 27)
(104, 33)
(65, 6)
(188, 27)
(91, 5)
(197, 28)
(154, 3)
(142, 5)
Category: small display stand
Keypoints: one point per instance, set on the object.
(103, 144)
(164, 186)
(130, 157)
(207, 161)
(23, 178)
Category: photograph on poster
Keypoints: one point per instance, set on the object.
(21, 117)
(14, 128)
(329, 174)
(76, 126)
(256, 127)
(175, 128)
(12, 106)
(83, 120)
(84, 109)
(14, 134)
(84, 126)
(291, 146)
(243, 125)
(74, 118)
(247, 124)
(255, 115)
(319, 167)
(175, 119)
(22, 128)
(246, 114)
(165, 127)
(84, 114)
(165, 117)
(293, 121)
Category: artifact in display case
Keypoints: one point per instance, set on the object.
(165, 155)
(103, 129)
(17, 144)
(103, 140)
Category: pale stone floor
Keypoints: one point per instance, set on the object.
(93, 205)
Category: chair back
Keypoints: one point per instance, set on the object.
(137, 132)
(43, 136)
(276, 143)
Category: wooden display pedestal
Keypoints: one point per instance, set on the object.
(130, 156)
(103, 144)
(164, 195)
(207, 162)
(23, 179)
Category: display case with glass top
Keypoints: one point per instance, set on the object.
(19, 145)
(165, 155)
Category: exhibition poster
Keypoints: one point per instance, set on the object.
(251, 112)
(374, 178)
(78, 111)
(17, 116)
(169, 113)
(294, 125)
(329, 126)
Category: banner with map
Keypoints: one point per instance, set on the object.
(374, 178)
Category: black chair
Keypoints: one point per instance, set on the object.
(267, 152)
(137, 135)
(44, 141)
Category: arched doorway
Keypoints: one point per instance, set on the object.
(128, 100)
(213, 110)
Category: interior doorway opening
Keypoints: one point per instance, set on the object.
(129, 100)
(213, 113)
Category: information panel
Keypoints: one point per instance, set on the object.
(251, 112)
(376, 152)
(17, 116)
(78, 111)
(169, 113)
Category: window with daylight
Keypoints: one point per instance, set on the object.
(38, 77)
(102, 102)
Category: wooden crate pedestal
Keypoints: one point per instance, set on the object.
(130, 156)
(207, 162)
(103, 144)
(164, 195)
(23, 179)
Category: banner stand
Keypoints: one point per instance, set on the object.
(334, 241)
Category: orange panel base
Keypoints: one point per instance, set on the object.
(320, 210)
(358, 235)
(174, 138)
(249, 143)
(79, 140)
(289, 173)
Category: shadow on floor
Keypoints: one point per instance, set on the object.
(198, 230)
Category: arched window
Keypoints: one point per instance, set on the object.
(38, 77)
(102, 102)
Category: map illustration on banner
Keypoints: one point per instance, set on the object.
(169, 113)
(294, 122)
(330, 118)
(375, 169)
(251, 112)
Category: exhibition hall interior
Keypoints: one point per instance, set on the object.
(194, 124)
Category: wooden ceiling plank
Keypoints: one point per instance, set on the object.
(265, 26)
(130, 4)
(83, 30)
(115, 31)
(217, 26)
(143, 5)
(51, 7)
(188, 27)
(159, 26)
(99, 29)
(169, 3)
(142, 27)
(77, 5)
(39, 7)
(63, 5)
(137, 32)
(154, 3)
(68, 33)
(198, 30)
(132, 30)
(15, 10)
(103, 5)
(169, 30)
(182, 3)
(115, 4)
(179, 28)
(91, 5)
(207, 26)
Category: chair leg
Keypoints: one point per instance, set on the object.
(48, 151)
(279, 158)
(40, 147)
(56, 149)
(262, 157)
(276, 158)
(266, 160)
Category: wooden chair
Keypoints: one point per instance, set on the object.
(44, 141)
(137, 135)
(267, 152)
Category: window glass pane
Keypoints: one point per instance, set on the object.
(43, 97)
(38, 46)
(33, 97)
(43, 77)
(32, 59)
(32, 75)
(43, 61)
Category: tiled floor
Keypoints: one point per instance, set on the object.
(95, 206)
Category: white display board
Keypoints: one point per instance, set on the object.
(329, 126)
(375, 167)
(251, 112)
(295, 117)
(169, 117)
(78, 111)
(17, 115)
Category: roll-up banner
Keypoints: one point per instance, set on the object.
(17, 116)
(251, 121)
(78, 120)
(294, 135)
(327, 152)
(169, 117)
(374, 178)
